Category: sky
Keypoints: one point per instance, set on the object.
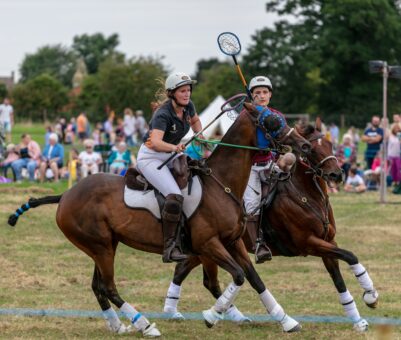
(183, 31)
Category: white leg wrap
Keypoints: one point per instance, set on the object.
(136, 318)
(172, 298)
(349, 306)
(271, 305)
(227, 298)
(112, 318)
(363, 277)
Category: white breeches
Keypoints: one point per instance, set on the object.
(93, 169)
(162, 180)
(253, 191)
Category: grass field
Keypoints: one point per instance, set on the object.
(40, 269)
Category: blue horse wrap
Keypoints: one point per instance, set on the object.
(262, 140)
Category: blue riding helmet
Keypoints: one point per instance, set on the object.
(268, 122)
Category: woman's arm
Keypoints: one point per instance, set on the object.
(196, 124)
(156, 143)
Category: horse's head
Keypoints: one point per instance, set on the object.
(321, 158)
(273, 126)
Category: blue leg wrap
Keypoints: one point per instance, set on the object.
(136, 317)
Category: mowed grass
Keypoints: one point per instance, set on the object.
(41, 269)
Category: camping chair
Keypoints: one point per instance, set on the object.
(104, 150)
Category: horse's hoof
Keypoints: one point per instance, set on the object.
(290, 325)
(371, 298)
(177, 316)
(361, 326)
(211, 317)
(121, 329)
(235, 315)
(151, 331)
(297, 328)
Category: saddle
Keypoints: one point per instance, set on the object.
(270, 178)
(138, 189)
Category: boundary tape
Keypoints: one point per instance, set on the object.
(188, 316)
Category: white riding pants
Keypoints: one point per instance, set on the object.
(147, 162)
(253, 191)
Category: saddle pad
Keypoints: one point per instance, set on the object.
(147, 199)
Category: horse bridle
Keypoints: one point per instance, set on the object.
(317, 169)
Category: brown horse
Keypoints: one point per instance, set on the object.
(299, 222)
(94, 217)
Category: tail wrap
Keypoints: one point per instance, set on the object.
(32, 203)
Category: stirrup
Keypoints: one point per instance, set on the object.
(262, 252)
(169, 256)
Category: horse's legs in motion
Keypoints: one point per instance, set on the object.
(240, 254)
(330, 254)
(238, 264)
(103, 286)
(112, 320)
(182, 269)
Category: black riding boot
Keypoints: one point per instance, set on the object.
(171, 216)
(262, 251)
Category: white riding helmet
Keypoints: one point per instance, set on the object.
(178, 79)
(260, 81)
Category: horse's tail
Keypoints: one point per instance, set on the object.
(32, 203)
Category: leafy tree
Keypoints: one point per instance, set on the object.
(205, 64)
(319, 64)
(119, 85)
(40, 98)
(95, 49)
(57, 61)
(3, 91)
(219, 79)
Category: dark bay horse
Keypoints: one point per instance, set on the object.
(94, 217)
(300, 222)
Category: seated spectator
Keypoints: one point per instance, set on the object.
(372, 175)
(52, 158)
(29, 152)
(70, 132)
(346, 154)
(11, 156)
(89, 159)
(49, 131)
(120, 159)
(354, 182)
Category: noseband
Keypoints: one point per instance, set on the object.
(317, 169)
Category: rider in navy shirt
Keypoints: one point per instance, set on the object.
(170, 123)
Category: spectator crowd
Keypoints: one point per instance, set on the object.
(105, 148)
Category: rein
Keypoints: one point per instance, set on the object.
(317, 172)
(280, 148)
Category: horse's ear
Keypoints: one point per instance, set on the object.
(249, 107)
(318, 124)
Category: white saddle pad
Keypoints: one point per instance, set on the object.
(147, 199)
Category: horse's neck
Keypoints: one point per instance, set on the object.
(304, 182)
(232, 166)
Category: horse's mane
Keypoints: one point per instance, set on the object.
(305, 129)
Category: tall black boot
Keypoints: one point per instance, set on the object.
(171, 216)
(262, 251)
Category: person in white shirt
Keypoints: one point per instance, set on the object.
(89, 159)
(7, 118)
(354, 183)
(141, 126)
(129, 126)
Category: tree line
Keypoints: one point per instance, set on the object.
(316, 56)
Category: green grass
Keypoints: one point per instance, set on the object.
(42, 270)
